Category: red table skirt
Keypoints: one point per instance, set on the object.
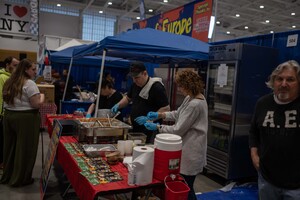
(82, 186)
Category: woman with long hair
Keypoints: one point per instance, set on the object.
(22, 100)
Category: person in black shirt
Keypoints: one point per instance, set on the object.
(275, 135)
(146, 94)
(108, 97)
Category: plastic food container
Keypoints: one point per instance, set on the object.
(137, 136)
(97, 150)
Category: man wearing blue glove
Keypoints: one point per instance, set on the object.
(191, 123)
(146, 94)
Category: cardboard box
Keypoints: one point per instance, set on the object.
(48, 90)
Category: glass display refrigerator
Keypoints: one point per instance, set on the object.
(236, 77)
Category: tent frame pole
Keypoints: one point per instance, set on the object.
(100, 83)
(67, 81)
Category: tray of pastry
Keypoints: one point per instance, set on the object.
(97, 150)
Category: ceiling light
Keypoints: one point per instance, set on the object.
(237, 15)
(246, 27)
(58, 5)
(165, 1)
(271, 31)
(150, 10)
(100, 11)
(228, 32)
(109, 3)
(261, 6)
(138, 17)
(267, 21)
(294, 26)
(218, 22)
(293, 13)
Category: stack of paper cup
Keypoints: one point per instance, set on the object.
(128, 147)
(121, 147)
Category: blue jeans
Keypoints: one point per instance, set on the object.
(190, 181)
(267, 191)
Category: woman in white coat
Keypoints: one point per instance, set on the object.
(191, 123)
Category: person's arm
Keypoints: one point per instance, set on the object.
(91, 109)
(255, 157)
(37, 100)
(254, 137)
(161, 115)
(164, 109)
(124, 102)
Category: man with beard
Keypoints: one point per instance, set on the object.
(275, 135)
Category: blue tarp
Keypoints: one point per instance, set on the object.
(276, 40)
(246, 192)
(149, 45)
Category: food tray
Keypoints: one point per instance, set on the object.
(103, 123)
(96, 150)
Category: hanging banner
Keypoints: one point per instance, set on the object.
(21, 19)
(34, 17)
(191, 19)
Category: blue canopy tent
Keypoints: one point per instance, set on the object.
(66, 57)
(147, 45)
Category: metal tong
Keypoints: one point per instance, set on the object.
(97, 121)
(116, 115)
(108, 119)
(112, 119)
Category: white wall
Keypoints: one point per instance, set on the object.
(17, 44)
(124, 25)
(50, 24)
(59, 25)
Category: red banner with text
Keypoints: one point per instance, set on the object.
(191, 19)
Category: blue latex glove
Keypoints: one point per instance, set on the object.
(151, 126)
(80, 109)
(152, 115)
(115, 109)
(88, 115)
(141, 120)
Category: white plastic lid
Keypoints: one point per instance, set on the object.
(167, 137)
(168, 142)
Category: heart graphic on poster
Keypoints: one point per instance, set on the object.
(20, 11)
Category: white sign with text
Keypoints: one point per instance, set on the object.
(292, 40)
(14, 18)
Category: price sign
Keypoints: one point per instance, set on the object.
(292, 40)
(56, 133)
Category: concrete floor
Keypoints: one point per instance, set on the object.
(58, 183)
